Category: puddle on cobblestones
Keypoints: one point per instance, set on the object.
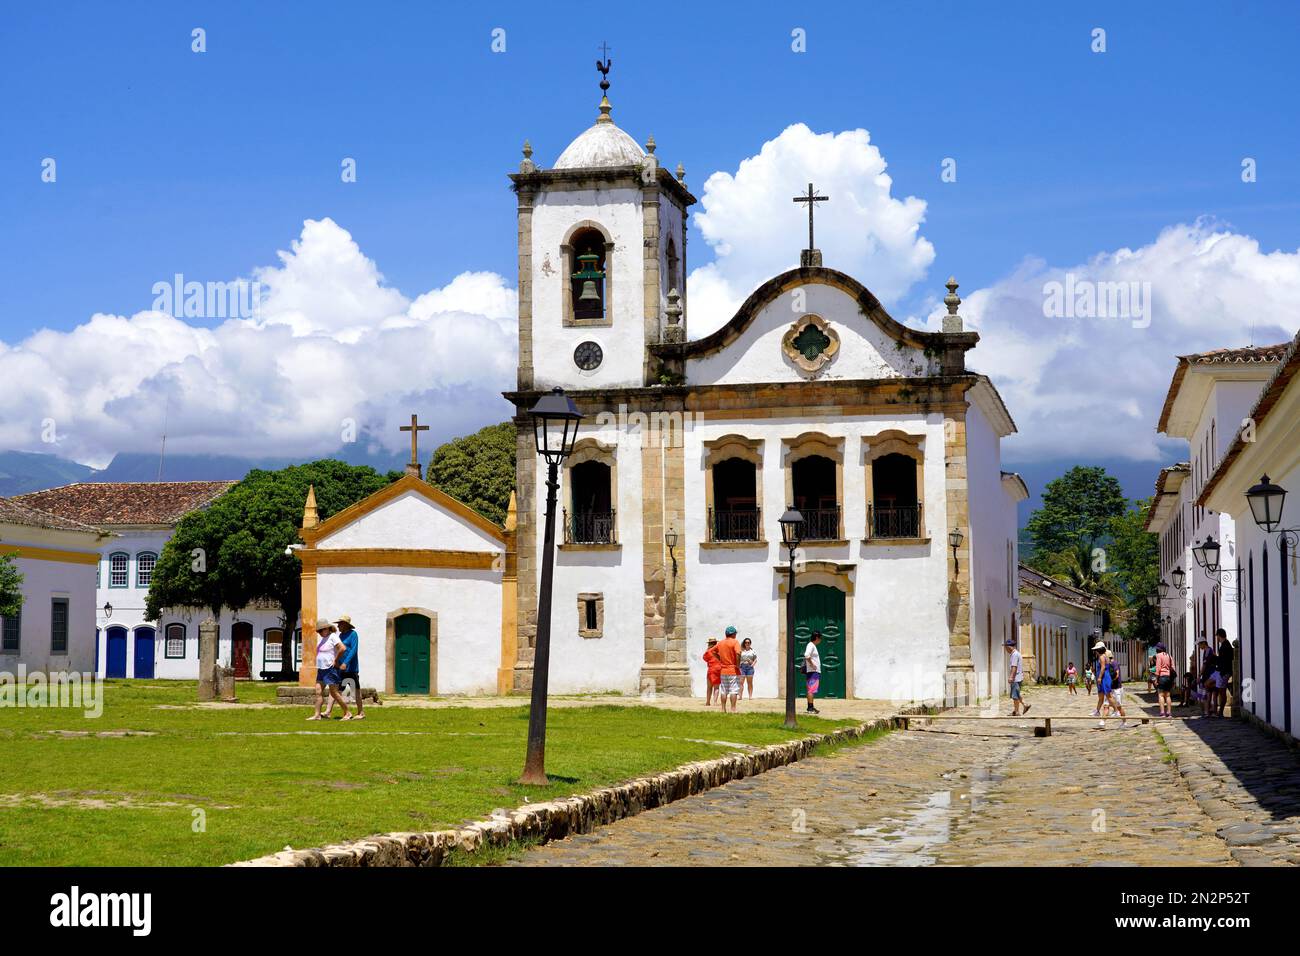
(916, 839)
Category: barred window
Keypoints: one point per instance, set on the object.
(119, 564)
(174, 647)
(11, 632)
(144, 564)
(59, 625)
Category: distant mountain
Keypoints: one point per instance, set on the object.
(24, 471)
(21, 472)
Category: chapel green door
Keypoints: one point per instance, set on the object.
(411, 655)
(820, 608)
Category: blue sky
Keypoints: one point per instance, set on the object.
(208, 164)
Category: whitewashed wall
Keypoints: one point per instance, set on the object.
(992, 529)
(865, 352)
(613, 661)
(468, 608)
(554, 214)
(900, 626)
(43, 581)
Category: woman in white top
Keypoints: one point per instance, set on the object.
(329, 649)
(748, 658)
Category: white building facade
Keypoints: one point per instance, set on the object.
(138, 518)
(1265, 451)
(1209, 399)
(811, 395)
(54, 631)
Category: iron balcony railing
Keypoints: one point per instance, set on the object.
(739, 524)
(589, 527)
(894, 521)
(820, 524)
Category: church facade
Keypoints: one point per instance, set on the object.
(811, 395)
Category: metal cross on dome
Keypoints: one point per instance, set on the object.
(811, 199)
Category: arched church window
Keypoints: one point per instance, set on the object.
(587, 278)
(895, 512)
(735, 515)
(589, 519)
(814, 482)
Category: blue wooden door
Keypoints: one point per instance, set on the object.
(115, 652)
(144, 641)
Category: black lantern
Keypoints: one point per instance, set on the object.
(670, 542)
(1178, 577)
(1153, 599)
(1266, 500)
(1163, 590)
(791, 527)
(1198, 552)
(955, 538)
(1209, 556)
(555, 425)
(108, 610)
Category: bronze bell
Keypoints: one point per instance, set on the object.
(589, 293)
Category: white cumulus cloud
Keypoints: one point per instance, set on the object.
(756, 231)
(329, 343)
(1093, 385)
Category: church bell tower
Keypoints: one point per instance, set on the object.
(602, 259)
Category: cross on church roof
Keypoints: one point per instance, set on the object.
(414, 428)
(811, 199)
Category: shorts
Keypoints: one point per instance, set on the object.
(814, 681)
(329, 677)
(715, 677)
(1071, 681)
(730, 685)
(354, 676)
(1015, 689)
(1165, 684)
(1117, 695)
(746, 670)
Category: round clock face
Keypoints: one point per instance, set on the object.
(588, 356)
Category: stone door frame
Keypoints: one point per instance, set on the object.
(830, 574)
(390, 647)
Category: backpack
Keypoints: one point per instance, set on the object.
(1113, 669)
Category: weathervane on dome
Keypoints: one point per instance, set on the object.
(603, 64)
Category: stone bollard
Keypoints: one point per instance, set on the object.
(207, 659)
(224, 678)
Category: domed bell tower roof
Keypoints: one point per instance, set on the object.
(603, 144)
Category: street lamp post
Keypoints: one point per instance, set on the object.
(555, 426)
(791, 533)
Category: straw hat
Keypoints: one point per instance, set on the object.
(324, 624)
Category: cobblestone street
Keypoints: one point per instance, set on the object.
(977, 793)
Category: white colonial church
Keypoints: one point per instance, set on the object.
(689, 452)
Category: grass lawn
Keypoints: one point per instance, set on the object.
(75, 791)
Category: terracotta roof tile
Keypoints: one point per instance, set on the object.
(1248, 355)
(15, 512)
(126, 502)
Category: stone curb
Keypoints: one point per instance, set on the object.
(554, 820)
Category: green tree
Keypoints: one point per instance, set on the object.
(1134, 553)
(11, 587)
(233, 552)
(478, 470)
(1077, 510)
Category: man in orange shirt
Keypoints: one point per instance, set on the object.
(728, 654)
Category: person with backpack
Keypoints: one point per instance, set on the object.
(1116, 688)
(1101, 678)
(1165, 676)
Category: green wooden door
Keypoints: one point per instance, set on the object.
(821, 608)
(411, 655)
